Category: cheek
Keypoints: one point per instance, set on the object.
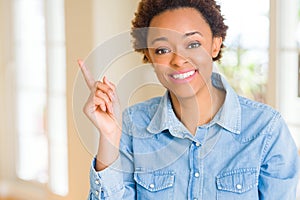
(160, 70)
(201, 59)
(163, 60)
(161, 73)
(204, 63)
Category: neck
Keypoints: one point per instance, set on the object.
(199, 109)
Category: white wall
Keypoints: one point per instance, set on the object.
(6, 105)
(79, 28)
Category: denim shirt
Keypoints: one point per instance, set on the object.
(245, 153)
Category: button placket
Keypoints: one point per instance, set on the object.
(196, 174)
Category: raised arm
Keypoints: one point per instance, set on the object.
(102, 108)
(108, 178)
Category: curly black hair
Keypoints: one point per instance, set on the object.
(148, 9)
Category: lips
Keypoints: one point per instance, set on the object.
(183, 75)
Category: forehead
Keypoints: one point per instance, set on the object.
(179, 21)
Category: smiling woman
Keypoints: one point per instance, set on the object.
(173, 146)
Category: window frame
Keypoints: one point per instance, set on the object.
(10, 183)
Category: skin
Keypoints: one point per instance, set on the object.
(102, 109)
(189, 46)
(177, 45)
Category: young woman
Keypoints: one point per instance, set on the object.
(198, 141)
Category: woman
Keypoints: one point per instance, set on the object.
(198, 141)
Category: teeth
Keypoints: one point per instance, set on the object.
(183, 76)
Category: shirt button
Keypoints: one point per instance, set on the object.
(238, 186)
(197, 174)
(197, 144)
(151, 185)
(97, 182)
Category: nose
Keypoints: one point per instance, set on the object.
(178, 59)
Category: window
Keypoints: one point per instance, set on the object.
(245, 61)
(40, 92)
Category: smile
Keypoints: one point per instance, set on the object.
(183, 76)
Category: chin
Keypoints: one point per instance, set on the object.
(184, 93)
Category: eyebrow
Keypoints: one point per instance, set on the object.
(192, 33)
(184, 36)
(159, 39)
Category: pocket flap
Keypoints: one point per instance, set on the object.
(155, 181)
(238, 181)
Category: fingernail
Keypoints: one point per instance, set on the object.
(80, 62)
(105, 79)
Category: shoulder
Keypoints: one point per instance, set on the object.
(256, 108)
(144, 106)
(258, 118)
(142, 110)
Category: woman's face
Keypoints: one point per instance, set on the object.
(181, 48)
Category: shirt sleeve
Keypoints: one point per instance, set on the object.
(106, 183)
(116, 181)
(280, 167)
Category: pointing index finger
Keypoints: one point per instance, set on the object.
(86, 74)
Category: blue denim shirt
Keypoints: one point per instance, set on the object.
(245, 153)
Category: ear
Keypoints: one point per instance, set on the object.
(216, 46)
(147, 54)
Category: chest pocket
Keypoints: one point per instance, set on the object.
(155, 185)
(238, 184)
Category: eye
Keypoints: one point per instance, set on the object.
(161, 51)
(194, 45)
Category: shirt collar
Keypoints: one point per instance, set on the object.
(165, 119)
(229, 115)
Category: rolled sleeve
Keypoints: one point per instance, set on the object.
(106, 184)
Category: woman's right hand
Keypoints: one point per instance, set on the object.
(103, 110)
